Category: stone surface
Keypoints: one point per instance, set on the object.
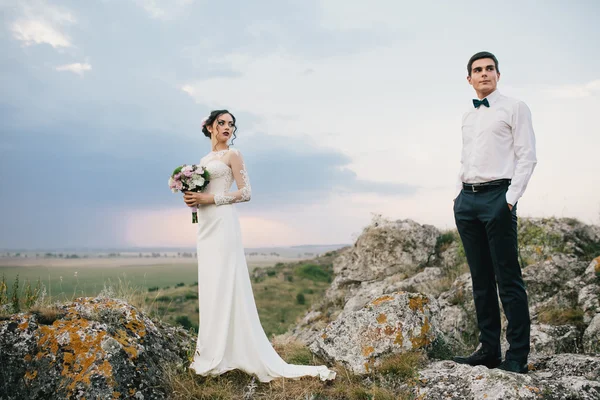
(564, 376)
(394, 323)
(93, 348)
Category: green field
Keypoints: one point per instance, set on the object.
(283, 292)
(64, 283)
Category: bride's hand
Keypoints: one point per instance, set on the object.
(195, 199)
(190, 199)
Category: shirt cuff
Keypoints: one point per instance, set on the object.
(512, 197)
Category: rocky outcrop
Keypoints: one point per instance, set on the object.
(390, 324)
(94, 348)
(385, 249)
(393, 256)
(542, 238)
(563, 376)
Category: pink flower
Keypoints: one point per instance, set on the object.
(188, 173)
(177, 176)
(178, 185)
(203, 122)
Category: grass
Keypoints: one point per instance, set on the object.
(399, 369)
(283, 295)
(65, 283)
(561, 316)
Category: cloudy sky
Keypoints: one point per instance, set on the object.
(345, 108)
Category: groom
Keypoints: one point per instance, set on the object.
(498, 158)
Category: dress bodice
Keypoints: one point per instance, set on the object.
(222, 176)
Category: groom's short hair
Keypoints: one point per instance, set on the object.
(479, 56)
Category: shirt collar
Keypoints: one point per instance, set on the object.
(493, 97)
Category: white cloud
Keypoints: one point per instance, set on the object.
(164, 9)
(360, 104)
(40, 23)
(575, 91)
(77, 68)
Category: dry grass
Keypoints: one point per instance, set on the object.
(561, 316)
(46, 314)
(402, 366)
(185, 384)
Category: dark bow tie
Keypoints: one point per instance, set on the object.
(477, 103)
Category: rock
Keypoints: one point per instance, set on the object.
(359, 295)
(390, 324)
(591, 336)
(387, 248)
(548, 339)
(423, 282)
(92, 348)
(547, 278)
(542, 238)
(457, 318)
(564, 376)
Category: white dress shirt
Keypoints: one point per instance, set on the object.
(498, 143)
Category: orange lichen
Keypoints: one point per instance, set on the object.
(116, 395)
(76, 343)
(597, 266)
(122, 338)
(532, 389)
(389, 331)
(422, 339)
(417, 303)
(367, 351)
(324, 336)
(382, 299)
(369, 364)
(135, 325)
(80, 351)
(30, 375)
(399, 339)
(381, 318)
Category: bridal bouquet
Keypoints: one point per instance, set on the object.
(189, 178)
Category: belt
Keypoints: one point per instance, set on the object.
(482, 187)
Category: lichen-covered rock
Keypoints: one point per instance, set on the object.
(542, 238)
(548, 339)
(456, 318)
(387, 248)
(591, 336)
(564, 376)
(422, 282)
(588, 298)
(545, 279)
(92, 348)
(390, 324)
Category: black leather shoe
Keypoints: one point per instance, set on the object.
(514, 366)
(481, 357)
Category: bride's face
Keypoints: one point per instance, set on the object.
(223, 128)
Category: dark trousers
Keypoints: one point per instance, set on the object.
(488, 230)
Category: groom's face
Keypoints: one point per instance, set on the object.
(484, 76)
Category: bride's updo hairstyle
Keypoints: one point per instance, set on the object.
(210, 120)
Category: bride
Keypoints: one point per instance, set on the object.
(230, 335)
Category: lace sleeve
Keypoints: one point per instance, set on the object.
(242, 181)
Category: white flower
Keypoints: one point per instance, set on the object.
(199, 181)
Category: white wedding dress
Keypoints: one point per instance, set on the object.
(230, 335)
